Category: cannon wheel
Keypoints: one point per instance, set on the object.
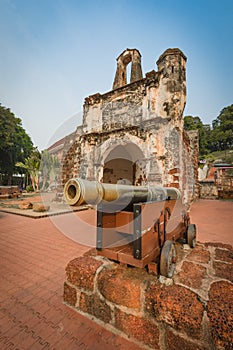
(191, 235)
(168, 259)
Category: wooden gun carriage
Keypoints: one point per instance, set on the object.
(136, 225)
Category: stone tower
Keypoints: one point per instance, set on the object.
(127, 56)
(172, 67)
(134, 133)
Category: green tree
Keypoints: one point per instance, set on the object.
(222, 133)
(15, 144)
(49, 168)
(32, 167)
(195, 123)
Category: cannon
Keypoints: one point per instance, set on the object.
(136, 225)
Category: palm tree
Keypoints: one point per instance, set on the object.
(32, 166)
(49, 167)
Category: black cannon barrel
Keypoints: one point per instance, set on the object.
(79, 191)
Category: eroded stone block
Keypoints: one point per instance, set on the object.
(224, 255)
(81, 272)
(25, 205)
(177, 306)
(200, 255)
(121, 286)
(139, 328)
(69, 295)
(223, 270)
(220, 313)
(40, 207)
(175, 342)
(192, 274)
(92, 305)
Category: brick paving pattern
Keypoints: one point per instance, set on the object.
(33, 257)
(213, 219)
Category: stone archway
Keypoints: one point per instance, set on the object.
(119, 170)
(121, 164)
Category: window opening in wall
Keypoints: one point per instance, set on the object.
(128, 72)
(172, 69)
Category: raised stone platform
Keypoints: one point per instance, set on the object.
(37, 206)
(191, 311)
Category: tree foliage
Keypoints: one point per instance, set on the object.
(217, 138)
(15, 144)
(222, 133)
(49, 168)
(195, 123)
(32, 166)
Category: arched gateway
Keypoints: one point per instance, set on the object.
(122, 164)
(134, 133)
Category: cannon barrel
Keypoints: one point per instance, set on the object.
(78, 192)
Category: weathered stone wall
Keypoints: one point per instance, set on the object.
(225, 186)
(191, 163)
(208, 189)
(141, 122)
(193, 311)
(9, 191)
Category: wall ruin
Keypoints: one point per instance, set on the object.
(191, 311)
(134, 133)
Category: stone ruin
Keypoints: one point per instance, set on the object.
(134, 133)
(192, 311)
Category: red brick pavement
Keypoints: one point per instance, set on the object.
(33, 257)
(214, 220)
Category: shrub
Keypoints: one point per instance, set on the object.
(29, 188)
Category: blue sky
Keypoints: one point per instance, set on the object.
(54, 53)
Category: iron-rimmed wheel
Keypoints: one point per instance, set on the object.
(191, 235)
(168, 259)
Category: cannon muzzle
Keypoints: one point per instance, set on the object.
(78, 192)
